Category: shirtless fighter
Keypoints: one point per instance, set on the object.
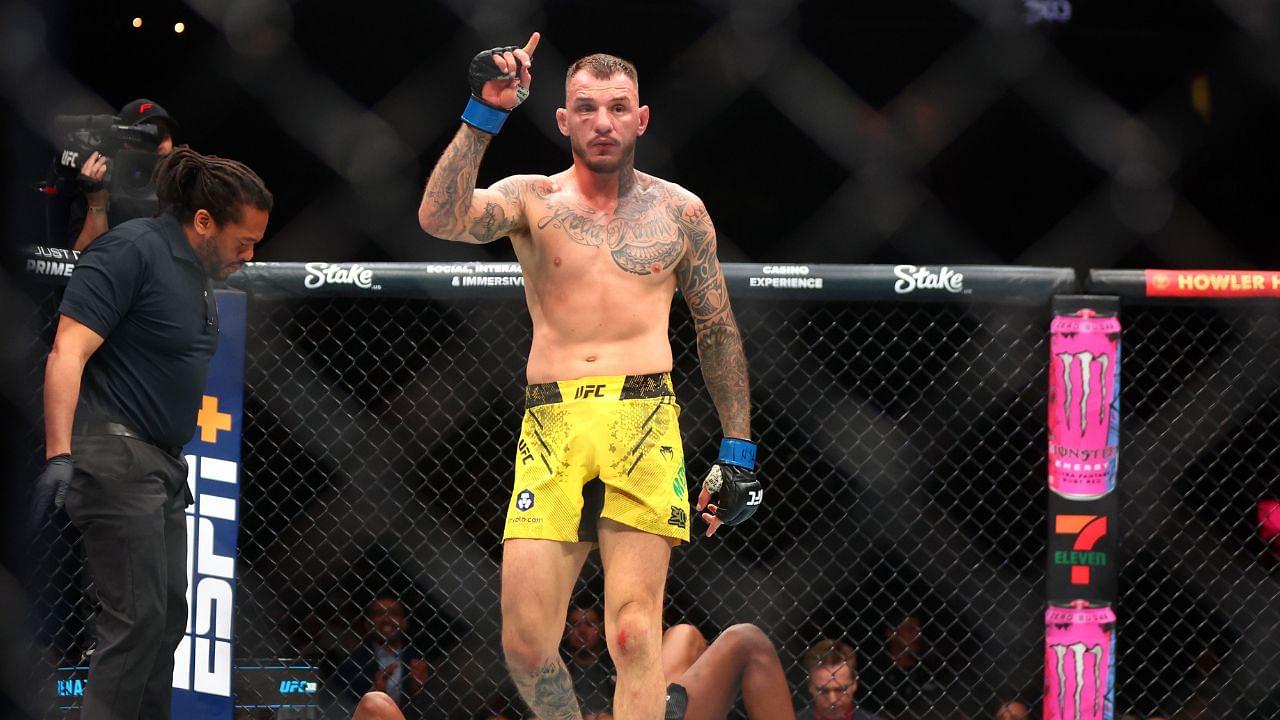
(742, 660)
(603, 249)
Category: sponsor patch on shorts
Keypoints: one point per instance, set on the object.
(679, 517)
(524, 500)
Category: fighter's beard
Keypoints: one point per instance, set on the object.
(624, 165)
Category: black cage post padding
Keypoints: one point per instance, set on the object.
(1101, 557)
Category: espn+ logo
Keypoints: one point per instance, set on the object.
(202, 661)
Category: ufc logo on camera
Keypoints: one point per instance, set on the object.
(204, 660)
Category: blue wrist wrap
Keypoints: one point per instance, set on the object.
(483, 116)
(734, 451)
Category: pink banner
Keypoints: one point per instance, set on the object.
(1079, 663)
(1084, 404)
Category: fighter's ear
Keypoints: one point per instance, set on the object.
(644, 119)
(562, 121)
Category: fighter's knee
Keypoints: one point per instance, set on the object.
(375, 706)
(748, 639)
(686, 637)
(523, 651)
(636, 625)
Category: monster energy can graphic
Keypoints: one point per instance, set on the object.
(1084, 404)
(1079, 661)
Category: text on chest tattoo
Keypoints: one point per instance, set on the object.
(640, 235)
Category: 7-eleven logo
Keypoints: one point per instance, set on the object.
(1088, 529)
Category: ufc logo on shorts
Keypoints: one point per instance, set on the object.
(586, 391)
(755, 497)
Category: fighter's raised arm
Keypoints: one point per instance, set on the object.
(452, 207)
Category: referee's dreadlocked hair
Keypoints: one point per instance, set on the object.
(187, 181)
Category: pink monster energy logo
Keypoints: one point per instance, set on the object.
(1087, 362)
(1071, 665)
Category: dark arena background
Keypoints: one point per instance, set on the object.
(856, 157)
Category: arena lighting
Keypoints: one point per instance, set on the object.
(137, 22)
(179, 27)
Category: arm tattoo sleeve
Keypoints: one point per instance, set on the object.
(450, 201)
(701, 281)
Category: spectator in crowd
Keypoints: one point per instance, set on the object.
(832, 667)
(593, 675)
(912, 682)
(1012, 710)
(387, 662)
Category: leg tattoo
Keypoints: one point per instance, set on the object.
(549, 691)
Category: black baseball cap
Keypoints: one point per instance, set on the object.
(144, 109)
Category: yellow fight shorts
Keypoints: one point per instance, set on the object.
(598, 447)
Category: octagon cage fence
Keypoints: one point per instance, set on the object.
(902, 428)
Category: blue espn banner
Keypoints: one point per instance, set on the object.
(203, 665)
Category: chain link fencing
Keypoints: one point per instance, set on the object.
(1200, 582)
(903, 448)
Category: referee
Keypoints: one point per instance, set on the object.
(122, 386)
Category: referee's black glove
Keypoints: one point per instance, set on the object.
(51, 488)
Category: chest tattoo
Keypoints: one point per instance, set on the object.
(640, 235)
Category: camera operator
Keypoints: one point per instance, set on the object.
(91, 210)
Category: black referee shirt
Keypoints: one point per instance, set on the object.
(141, 288)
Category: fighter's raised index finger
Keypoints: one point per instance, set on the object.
(532, 45)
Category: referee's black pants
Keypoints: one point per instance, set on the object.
(128, 499)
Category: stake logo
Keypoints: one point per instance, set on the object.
(1071, 662)
(320, 274)
(1088, 529)
(912, 278)
(1070, 402)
